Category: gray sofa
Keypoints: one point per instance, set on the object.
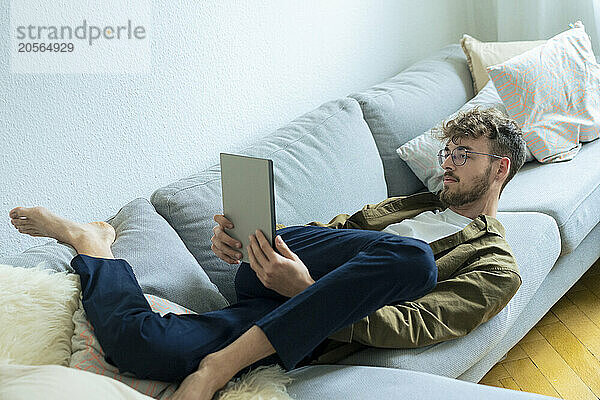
(336, 159)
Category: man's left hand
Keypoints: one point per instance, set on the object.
(284, 273)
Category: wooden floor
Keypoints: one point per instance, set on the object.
(560, 356)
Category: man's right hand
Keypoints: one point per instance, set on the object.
(223, 245)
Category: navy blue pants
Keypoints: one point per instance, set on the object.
(356, 273)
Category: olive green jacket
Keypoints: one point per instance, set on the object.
(477, 276)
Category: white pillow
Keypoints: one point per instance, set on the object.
(56, 382)
(36, 311)
(420, 153)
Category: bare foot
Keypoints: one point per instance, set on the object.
(39, 221)
(203, 383)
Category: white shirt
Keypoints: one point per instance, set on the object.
(430, 226)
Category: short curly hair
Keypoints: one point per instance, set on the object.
(504, 135)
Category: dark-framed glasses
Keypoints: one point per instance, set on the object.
(459, 155)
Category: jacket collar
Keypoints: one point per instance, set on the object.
(478, 227)
(418, 202)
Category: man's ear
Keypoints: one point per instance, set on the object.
(503, 169)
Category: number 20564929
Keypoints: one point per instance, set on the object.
(46, 47)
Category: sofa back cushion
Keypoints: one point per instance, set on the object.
(324, 162)
(411, 103)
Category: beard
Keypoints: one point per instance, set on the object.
(478, 189)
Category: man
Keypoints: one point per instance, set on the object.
(358, 280)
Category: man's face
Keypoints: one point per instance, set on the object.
(471, 181)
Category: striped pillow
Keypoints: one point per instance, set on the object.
(89, 356)
(553, 92)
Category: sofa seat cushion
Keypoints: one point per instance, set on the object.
(535, 241)
(410, 103)
(568, 191)
(324, 163)
(357, 383)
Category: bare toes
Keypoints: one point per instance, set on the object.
(22, 212)
(14, 213)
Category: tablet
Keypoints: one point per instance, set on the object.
(248, 197)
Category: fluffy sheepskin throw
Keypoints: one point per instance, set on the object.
(36, 311)
(262, 383)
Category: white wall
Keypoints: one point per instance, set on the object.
(223, 72)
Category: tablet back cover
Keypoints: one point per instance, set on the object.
(248, 197)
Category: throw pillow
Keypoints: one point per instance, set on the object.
(420, 153)
(263, 382)
(89, 356)
(36, 310)
(481, 55)
(162, 264)
(553, 93)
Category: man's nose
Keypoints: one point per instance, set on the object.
(448, 164)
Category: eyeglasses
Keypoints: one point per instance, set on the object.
(459, 155)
